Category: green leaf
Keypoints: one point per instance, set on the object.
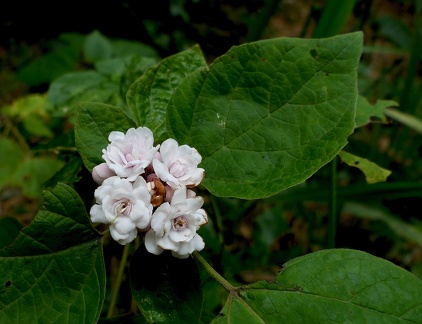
(54, 271)
(135, 67)
(373, 172)
(148, 97)
(35, 125)
(365, 112)
(9, 230)
(63, 58)
(166, 289)
(331, 286)
(72, 88)
(108, 84)
(97, 47)
(28, 174)
(69, 173)
(10, 158)
(23, 107)
(123, 47)
(31, 110)
(33, 173)
(94, 123)
(269, 114)
(406, 119)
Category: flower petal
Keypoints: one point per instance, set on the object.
(151, 244)
(124, 224)
(122, 238)
(97, 214)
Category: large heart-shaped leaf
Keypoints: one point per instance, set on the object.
(148, 96)
(166, 289)
(269, 114)
(54, 270)
(331, 286)
(94, 122)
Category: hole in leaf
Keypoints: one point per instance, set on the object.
(313, 53)
(356, 162)
(8, 284)
(327, 74)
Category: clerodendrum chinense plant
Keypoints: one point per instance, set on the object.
(264, 117)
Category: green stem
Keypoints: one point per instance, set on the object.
(332, 217)
(213, 273)
(117, 283)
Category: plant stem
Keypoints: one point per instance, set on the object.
(332, 217)
(117, 283)
(208, 268)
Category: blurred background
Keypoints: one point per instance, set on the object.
(246, 240)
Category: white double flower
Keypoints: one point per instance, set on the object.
(174, 226)
(178, 165)
(126, 206)
(136, 178)
(128, 154)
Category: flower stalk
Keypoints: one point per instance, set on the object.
(208, 268)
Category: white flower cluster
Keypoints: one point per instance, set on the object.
(144, 188)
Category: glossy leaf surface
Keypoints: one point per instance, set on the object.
(148, 96)
(269, 114)
(331, 286)
(54, 270)
(94, 122)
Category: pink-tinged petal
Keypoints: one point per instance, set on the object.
(97, 215)
(191, 205)
(102, 172)
(179, 196)
(151, 244)
(191, 193)
(162, 172)
(168, 149)
(115, 135)
(151, 177)
(196, 177)
(169, 193)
